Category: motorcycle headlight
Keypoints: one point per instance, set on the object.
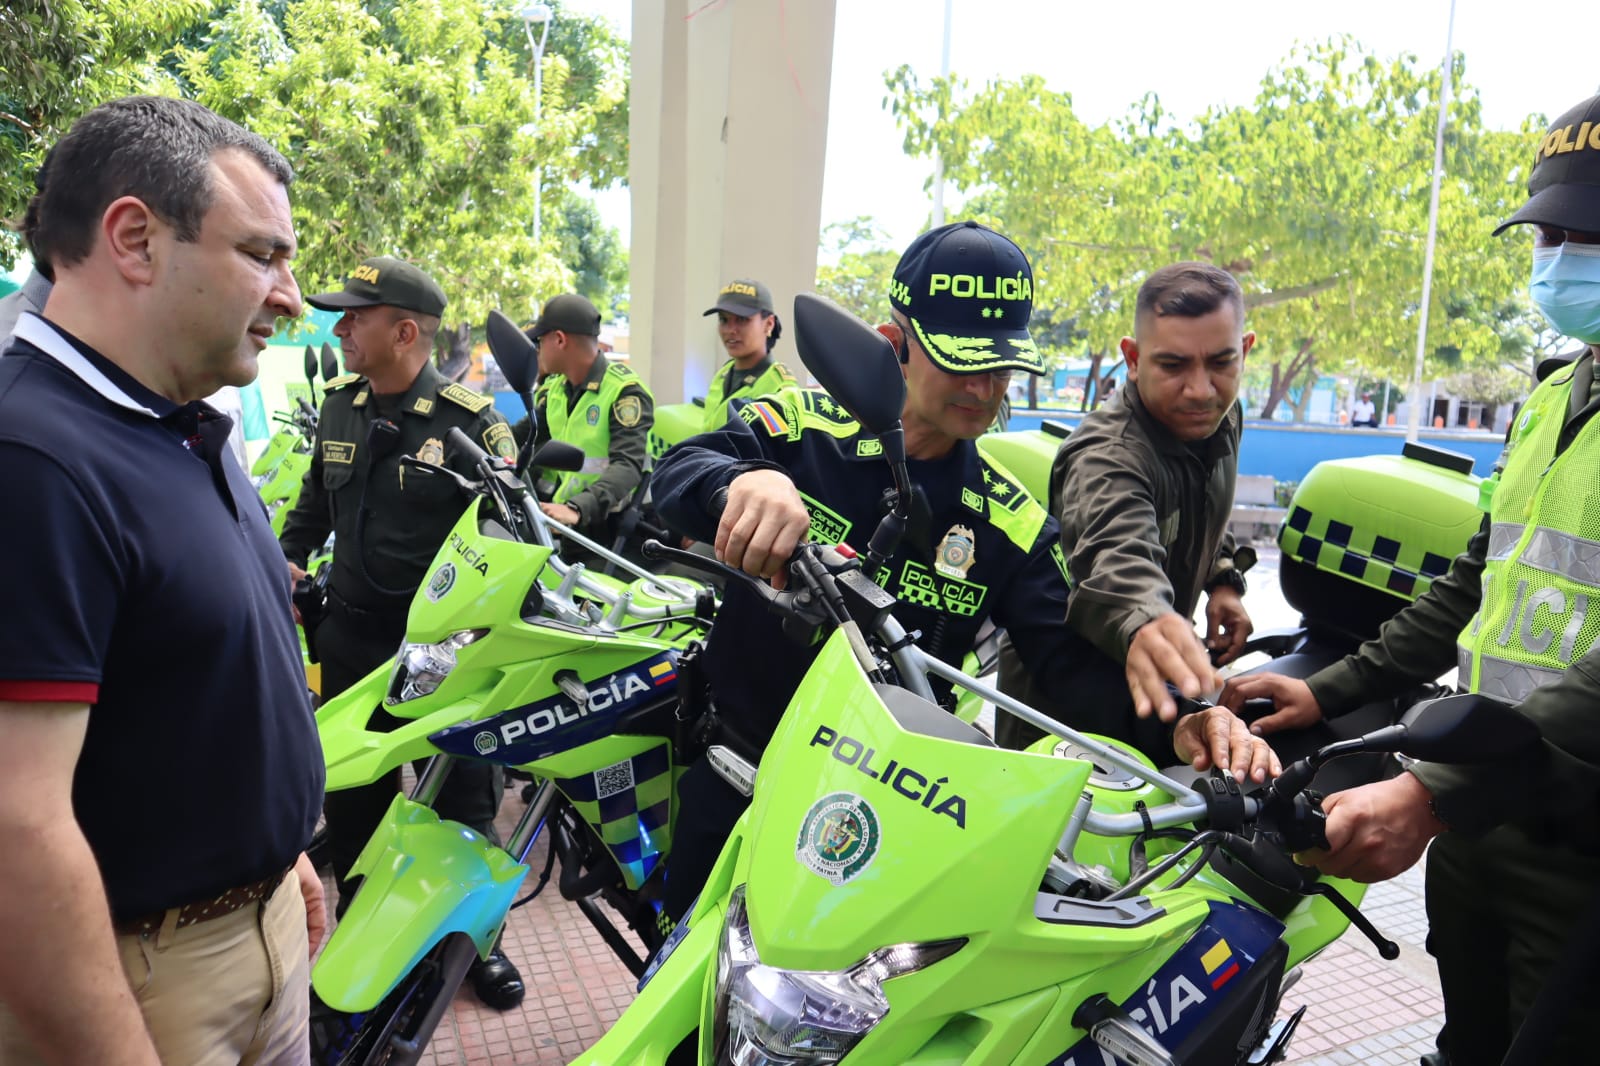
(420, 668)
(767, 1016)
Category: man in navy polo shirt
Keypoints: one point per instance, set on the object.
(160, 775)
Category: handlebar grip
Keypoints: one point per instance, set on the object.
(465, 445)
(719, 503)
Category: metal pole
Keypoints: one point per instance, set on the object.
(1433, 220)
(1383, 419)
(537, 48)
(938, 158)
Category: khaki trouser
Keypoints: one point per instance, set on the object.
(232, 991)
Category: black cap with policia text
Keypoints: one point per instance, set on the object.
(1564, 188)
(387, 282)
(968, 293)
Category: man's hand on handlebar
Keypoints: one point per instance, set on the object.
(1376, 831)
(1218, 737)
(566, 514)
(1294, 705)
(1166, 649)
(764, 521)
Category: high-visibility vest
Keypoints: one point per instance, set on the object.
(1541, 581)
(774, 379)
(587, 425)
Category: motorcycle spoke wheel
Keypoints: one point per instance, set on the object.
(339, 1039)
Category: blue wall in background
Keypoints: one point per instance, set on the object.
(1287, 451)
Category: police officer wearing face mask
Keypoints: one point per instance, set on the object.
(1515, 859)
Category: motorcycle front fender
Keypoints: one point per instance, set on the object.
(423, 879)
(670, 1007)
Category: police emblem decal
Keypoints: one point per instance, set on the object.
(444, 579)
(500, 441)
(432, 451)
(956, 553)
(592, 415)
(485, 743)
(629, 410)
(839, 837)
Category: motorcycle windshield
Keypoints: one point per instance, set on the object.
(856, 805)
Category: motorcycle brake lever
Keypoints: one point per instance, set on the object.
(1387, 948)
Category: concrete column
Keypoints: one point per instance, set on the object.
(728, 127)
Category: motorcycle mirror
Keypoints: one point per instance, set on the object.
(1470, 728)
(330, 362)
(311, 370)
(516, 354)
(854, 362)
(559, 455)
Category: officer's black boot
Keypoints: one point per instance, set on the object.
(496, 981)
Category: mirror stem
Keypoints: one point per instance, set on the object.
(525, 449)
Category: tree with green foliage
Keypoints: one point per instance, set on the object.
(1315, 196)
(593, 251)
(858, 278)
(59, 58)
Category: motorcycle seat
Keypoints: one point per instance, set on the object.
(917, 715)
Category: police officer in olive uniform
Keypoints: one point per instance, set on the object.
(1514, 861)
(388, 522)
(599, 406)
(749, 329)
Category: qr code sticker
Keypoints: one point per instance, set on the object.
(610, 780)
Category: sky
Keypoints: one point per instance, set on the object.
(1524, 56)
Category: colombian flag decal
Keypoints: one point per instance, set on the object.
(661, 673)
(771, 418)
(1220, 964)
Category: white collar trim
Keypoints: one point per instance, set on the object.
(44, 336)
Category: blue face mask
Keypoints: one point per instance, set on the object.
(1566, 287)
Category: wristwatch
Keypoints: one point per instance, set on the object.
(1232, 571)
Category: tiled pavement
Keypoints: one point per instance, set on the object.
(1361, 1011)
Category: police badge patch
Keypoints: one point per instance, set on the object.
(432, 451)
(500, 441)
(956, 553)
(629, 410)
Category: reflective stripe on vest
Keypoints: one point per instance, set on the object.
(1504, 678)
(1542, 570)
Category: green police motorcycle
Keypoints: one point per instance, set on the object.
(280, 469)
(515, 657)
(902, 891)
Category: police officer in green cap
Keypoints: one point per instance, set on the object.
(749, 329)
(388, 522)
(1513, 843)
(597, 405)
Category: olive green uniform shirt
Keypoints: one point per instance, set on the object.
(1559, 793)
(629, 448)
(1144, 518)
(409, 511)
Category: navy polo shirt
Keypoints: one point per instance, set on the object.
(144, 580)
